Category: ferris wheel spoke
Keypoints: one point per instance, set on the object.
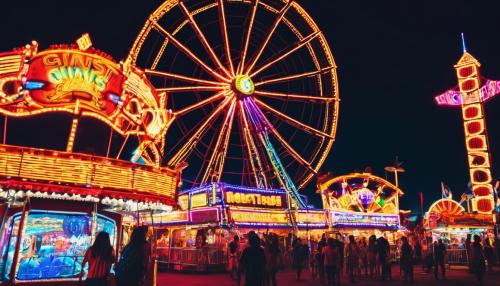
(254, 157)
(283, 55)
(195, 138)
(293, 121)
(201, 103)
(227, 48)
(247, 37)
(268, 36)
(283, 142)
(191, 88)
(182, 77)
(202, 38)
(295, 76)
(188, 52)
(290, 96)
(217, 159)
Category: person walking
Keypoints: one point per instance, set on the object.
(100, 256)
(272, 253)
(331, 255)
(320, 258)
(352, 257)
(439, 259)
(489, 254)
(363, 257)
(383, 255)
(233, 255)
(406, 260)
(298, 257)
(477, 259)
(372, 254)
(252, 262)
(134, 262)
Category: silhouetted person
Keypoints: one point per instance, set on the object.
(383, 254)
(372, 254)
(439, 258)
(331, 254)
(100, 256)
(489, 254)
(320, 258)
(272, 252)
(406, 260)
(234, 252)
(253, 262)
(134, 261)
(477, 261)
(352, 257)
(298, 257)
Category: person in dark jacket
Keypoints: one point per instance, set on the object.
(253, 262)
(406, 260)
(135, 260)
(439, 258)
(489, 254)
(477, 261)
(299, 257)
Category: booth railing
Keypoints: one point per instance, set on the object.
(202, 259)
(457, 256)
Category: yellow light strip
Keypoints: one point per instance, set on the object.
(80, 169)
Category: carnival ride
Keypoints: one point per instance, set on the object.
(54, 201)
(471, 96)
(252, 86)
(362, 201)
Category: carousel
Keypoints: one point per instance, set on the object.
(61, 188)
(362, 204)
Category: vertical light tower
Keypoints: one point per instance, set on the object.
(471, 96)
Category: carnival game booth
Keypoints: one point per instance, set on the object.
(448, 220)
(196, 236)
(362, 204)
(55, 200)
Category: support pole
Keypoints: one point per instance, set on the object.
(15, 262)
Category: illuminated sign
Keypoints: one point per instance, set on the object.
(85, 84)
(204, 215)
(259, 217)
(68, 76)
(311, 217)
(199, 200)
(166, 218)
(182, 201)
(355, 219)
(256, 199)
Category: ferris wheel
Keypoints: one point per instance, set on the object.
(252, 89)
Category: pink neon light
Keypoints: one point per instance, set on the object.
(452, 97)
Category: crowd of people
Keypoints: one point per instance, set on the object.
(357, 258)
(257, 262)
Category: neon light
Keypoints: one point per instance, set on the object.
(29, 85)
(244, 84)
(471, 98)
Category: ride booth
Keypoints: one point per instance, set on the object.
(449, 221)
(362, 204)
(55, 196)
(196, 236)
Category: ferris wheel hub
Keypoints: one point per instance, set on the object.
(243, 84)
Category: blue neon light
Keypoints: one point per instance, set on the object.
(31, 85)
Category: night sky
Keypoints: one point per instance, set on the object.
(393, 58)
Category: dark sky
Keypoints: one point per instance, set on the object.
(393, 58)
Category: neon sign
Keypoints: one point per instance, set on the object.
(259, 217)
(258, 200)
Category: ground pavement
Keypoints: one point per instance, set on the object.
(455, 277)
